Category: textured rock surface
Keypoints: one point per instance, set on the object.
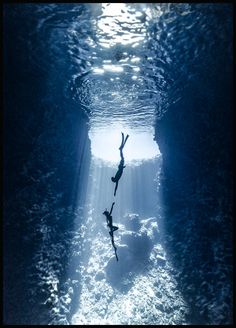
(45, 142)
(195, 137)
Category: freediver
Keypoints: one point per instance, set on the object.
(121, 166)
(112, 228)
(109, 220)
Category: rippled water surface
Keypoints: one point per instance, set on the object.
(126, 61)
(123, 65)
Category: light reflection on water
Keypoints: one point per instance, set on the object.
(118, 24)
(115, 98)
(117, 88)
(123, 58)
(120, 102)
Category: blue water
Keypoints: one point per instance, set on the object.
(75, 76)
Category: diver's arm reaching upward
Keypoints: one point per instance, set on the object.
(112, 208)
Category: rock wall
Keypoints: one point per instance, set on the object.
(195, 137)
(45, 143)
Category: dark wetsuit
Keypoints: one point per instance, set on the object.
(112, 228)
(120, 170)
(109, 220)
(121, 166)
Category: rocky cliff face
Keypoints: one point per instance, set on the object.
(45, 144)
(195, 137)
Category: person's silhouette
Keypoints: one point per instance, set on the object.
(109, 220)
(121, 166)
(111, 226)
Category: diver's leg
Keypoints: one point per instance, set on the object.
(115, 188)
(126, 139)
(122, 137)
(113, 244)
(122, 141)
(114, 228)
(121, 154)
(112, 240)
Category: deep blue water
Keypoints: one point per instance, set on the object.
(75, 76)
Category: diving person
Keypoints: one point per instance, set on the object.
(121, 166)
(109, 220)
(112, 228)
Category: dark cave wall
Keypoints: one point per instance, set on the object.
(195, 137)
(45, 142)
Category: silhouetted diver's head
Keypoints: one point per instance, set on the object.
(113, 179)
(105, 212)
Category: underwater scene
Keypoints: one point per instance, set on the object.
(117, 163)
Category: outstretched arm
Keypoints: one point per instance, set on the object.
(111, 208)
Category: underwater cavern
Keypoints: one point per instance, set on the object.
(76, 75)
